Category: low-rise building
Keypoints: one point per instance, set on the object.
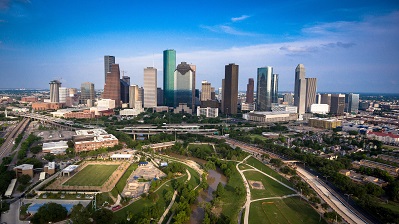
(384, 137)
(183, 108)
(49, 168)
(88, 140)
(46, 106)
(248, 106)
(326, 123)
(283, 107)
(319, 108)
(392, 170)
(24, 169)
(55, 147)
(208, 112)
(131, 112)
(264, 117)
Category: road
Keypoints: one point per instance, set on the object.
(8, 144)
(347, 212)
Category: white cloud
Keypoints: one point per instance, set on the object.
(243, 17)
(228, 30)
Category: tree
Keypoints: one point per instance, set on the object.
(24, 179)
(50, 212)
(103, 216)
(70, 144)
(219, 190)
(50, 157)
(79, 214)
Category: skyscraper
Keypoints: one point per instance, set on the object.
(160, 97)
(108, 62)
(125, 83)
(267, 88)
(150, 87)
(134, 101)
(311, 86)
(112, 87)
(63, 94)
(87, 92)
(206, 91)
(250, 91)
(184, 85)
(230, 89)
(54, 91)
(169, 66)
(352, 103)
(289, 98)
(300, 88)
(337, 104)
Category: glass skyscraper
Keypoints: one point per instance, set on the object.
(267, 88)
(169, 66)
(184, 85)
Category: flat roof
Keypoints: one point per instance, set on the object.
(91, 132)
(70, 168)
(42, 176)
(55, 145)
(121, 156)
(51, 165)
(10, 188)
(24, 167)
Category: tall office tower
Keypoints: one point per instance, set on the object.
(150, 87)
(125, 83)
(184, 85)
(300, 88)
(206, 91)
(230, 89)
(337, 104)
(73, 92)
(141, 96)
(159, 97)
(54, 91)
(326, 99)
(267, 88)
(220, 93)
(318, 98)
(108, 62)
(213, 94)
(87, 92)
(352, 103)
(134, 101)
(126, 79)
(289, 98)
(311, 88)
(250, 91)
(169, 66)
(275, 88)
(63, 94)
(112, 87)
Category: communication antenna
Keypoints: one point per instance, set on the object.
(153, 60)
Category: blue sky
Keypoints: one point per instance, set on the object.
(350, 46)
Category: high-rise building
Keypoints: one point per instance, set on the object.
(125, 83)
(230, 89)
(206, 91)
(300, 88)
(87, 92)
(141, 96)
(213, 94)
(267, 88)
(54, 91)
(159, 97)
(220, 92)
(352, 103)
(184, 85)
(250, 91)
(289, 99)
(169, 66)
(108, 62)
(318, 98)
(63, 94)
(150, 87)
(311, 86)
(134, 101)
(73, 92)
(112, 87)
(337, 104)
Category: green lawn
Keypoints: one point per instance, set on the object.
(272, 187)
(92, 175)
(122, 182)
(231, 201)
(242, 166)
(259, 165)
(289, 210)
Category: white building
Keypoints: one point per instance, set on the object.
(105, 104)
(264, 117)
(55, 147)
(284, 108)
(150, 87)
(248, 106)
(208, 112)
(319, 108)
(131, 112)
(63, 93)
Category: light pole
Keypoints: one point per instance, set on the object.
(348, 197)
(326, 177)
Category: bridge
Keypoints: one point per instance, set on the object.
(56, 122)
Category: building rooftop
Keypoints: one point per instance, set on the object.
(91, 132)
(70, 168)
(24, 167)
(60, 144)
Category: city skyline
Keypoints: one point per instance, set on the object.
(343, 46)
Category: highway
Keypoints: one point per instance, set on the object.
(347, 212)
(7, 146)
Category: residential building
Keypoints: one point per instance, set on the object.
(385, 137)
(230, 89)
(150, 87)
(169, 66)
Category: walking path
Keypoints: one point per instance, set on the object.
(282, 197)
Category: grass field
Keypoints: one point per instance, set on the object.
(290, 210)
(122, 182)
(259, 165)
(272, 188)
(242, 166)
(92, 175)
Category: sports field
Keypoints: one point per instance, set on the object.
(272, 187)
(92, 175)
(289, 210)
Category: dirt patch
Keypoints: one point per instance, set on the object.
(256, 185)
